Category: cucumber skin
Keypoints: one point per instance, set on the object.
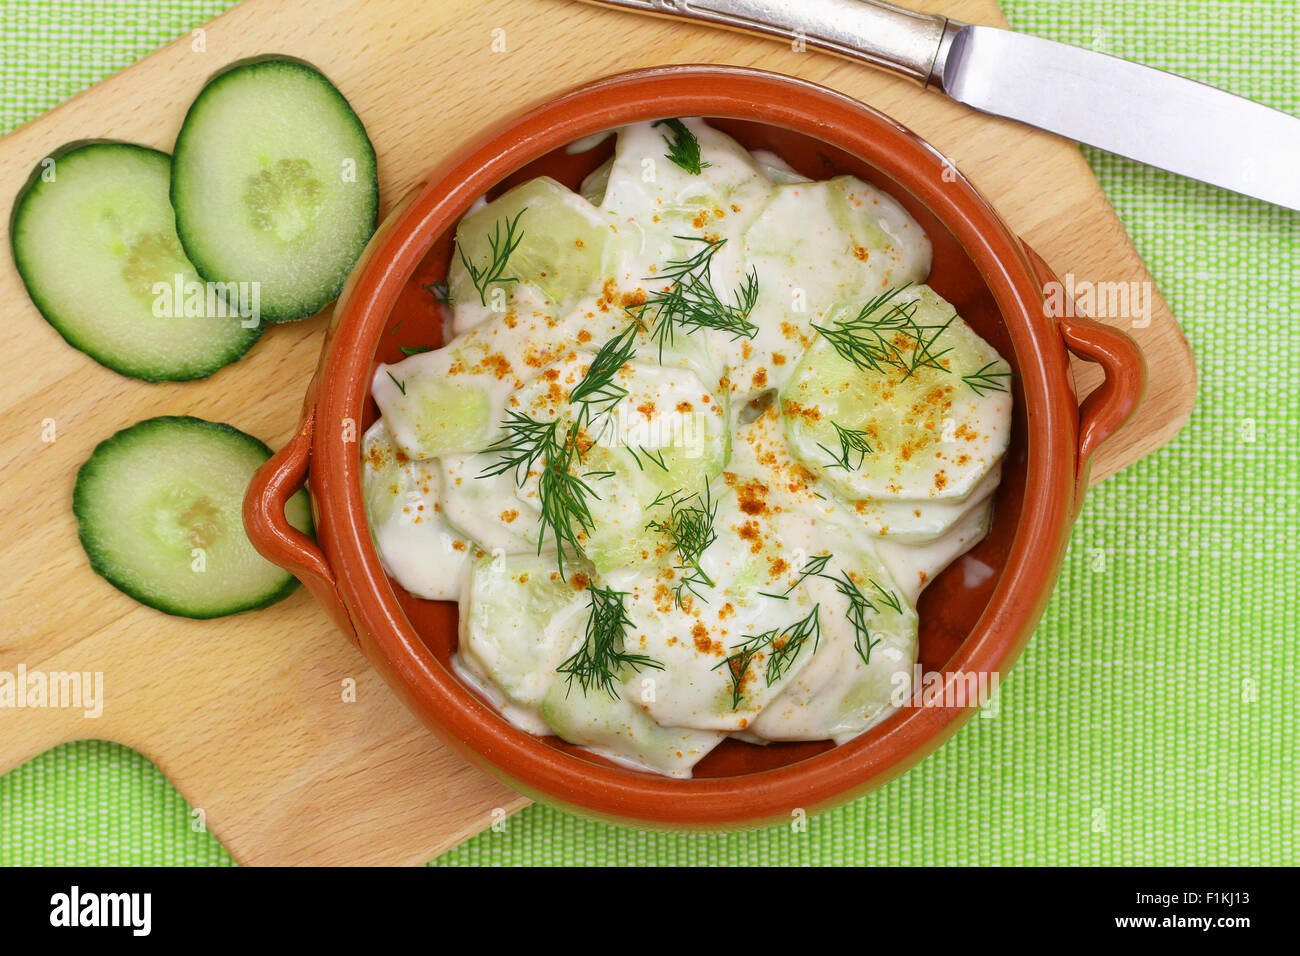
(214, 83)
(82, 508)
(50, 316)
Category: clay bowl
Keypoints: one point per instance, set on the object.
(976, 617)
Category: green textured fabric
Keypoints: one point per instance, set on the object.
(1153, 717)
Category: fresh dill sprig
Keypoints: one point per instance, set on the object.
(678, 268)
(788, 644)
(782, 645)
(923, 355)
(867, 340)
(985, 381)
(859, 607)
(597, 386)
(689, 526)
(502, 244)
(603, 654)
(683, 147)
(885, 335)
(562, 496)
(415, 349)
(525, 441)
(656, 457)
(888, 598)
(440, 292)
(690, 302)
(852, 441)
(401, 386)
(747, 296)
(813, 567)
(737, 663)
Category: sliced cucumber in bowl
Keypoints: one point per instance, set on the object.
(930, 419)
(274, 181)
(94, 240)
(520, 231)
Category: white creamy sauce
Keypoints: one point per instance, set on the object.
(795, 611)
(527, 719)
(416, 544)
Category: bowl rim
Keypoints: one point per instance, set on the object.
(478, 731)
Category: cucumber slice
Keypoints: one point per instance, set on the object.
(274, 182)
(879, 228)
(521, 299)
(814, 246)
(593, 187)
(840, 693)
(747, 569)
(777, 169)
(521, 622)
(448, 401)
(159, 511)
(669, 434)
(916, 565)
(560, 244)
(622, 731)
(653, 202)
(933, 436)
(486, 507)
(660, 210)
(916, 522)
(407, 519)
(527, 718)
(96, 247)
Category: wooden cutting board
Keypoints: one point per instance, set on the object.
(247, 715)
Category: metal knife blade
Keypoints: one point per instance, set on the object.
(1137, 111)
(1154, 117)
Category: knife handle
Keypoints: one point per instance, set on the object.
(902, 41)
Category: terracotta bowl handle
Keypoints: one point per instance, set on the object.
(1112, 403)
(280, 542)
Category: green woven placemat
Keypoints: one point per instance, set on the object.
(1152, 718)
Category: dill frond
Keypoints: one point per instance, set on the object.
(683, 146)
(689, 526)
(598, 662)
(852, 441)
(871, 339)
(782, 646)
(985, 381)
(501, 245)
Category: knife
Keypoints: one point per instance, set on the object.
(1154, 117)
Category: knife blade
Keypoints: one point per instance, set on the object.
(1157, 118)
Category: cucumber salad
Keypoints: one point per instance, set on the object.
(700, 437)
